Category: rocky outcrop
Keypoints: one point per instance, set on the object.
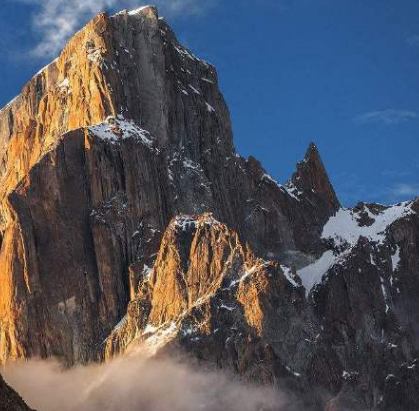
(9, 399)
(362, 301)
(124, 131)
(311, 181)
(210, 295)
(128, 218)
(347, 345)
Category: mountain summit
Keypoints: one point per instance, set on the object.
(128, 218)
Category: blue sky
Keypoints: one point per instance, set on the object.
(343, 73)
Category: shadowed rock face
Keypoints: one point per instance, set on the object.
(347, 345)
(87, 197)
(9, 399)
(128, 218)
(311, 179)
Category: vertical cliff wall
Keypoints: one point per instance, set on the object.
(126, 129)
(127, 217)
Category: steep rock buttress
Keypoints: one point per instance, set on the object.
(126, 217)
(126, 129)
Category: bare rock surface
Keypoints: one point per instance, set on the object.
(127, 218)
(9, 399)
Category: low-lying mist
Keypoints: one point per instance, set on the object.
(136, 383)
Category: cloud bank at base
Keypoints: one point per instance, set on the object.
(136, 383)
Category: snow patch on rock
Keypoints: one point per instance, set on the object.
(115, 129)
(290, 276)
(395, 259)
(313, 273)
(159, 338)
(185, 222)
(345, 230)
(139, 10)
(344, 227)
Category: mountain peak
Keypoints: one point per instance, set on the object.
(126, 216)
(312, 151)
(311, 178)
(147, 11)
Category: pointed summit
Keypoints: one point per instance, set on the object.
(311, 179)
(312, 151)
(147, 11)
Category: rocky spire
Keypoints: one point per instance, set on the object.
(311, 178)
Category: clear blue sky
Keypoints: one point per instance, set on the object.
(343, 73)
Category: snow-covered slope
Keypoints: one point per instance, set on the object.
(347, 226)
(344, 230)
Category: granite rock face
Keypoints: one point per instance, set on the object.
(125, 130)
(128, 218)
(342, 342)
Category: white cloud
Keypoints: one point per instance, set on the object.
(387, 117)
(413, 40)
(405, 189)
(54, 21)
